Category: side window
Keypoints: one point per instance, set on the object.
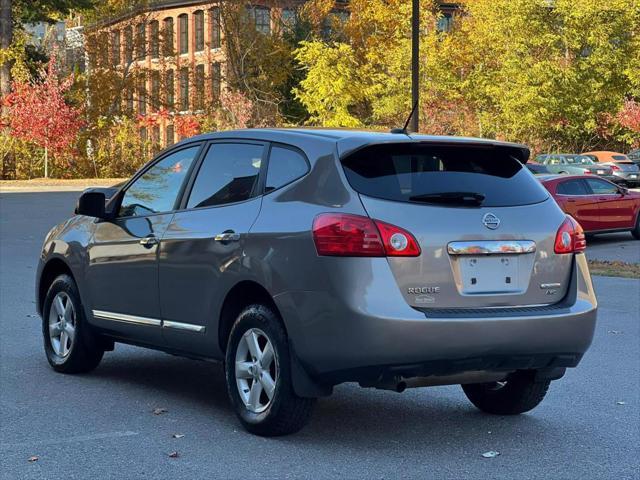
(600, 187)
(554, 161)
(572, 187)
(285, 166)
(228, 174)
(157, 189)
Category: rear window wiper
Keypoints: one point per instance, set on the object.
(464, 198)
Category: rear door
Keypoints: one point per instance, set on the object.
(615, 210)
(485, 225)
(576, 199)
(201, 251)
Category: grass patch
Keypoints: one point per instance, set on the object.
(616, 268)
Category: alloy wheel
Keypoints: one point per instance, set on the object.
(62, 324)
(256, 370)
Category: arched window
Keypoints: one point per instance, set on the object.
(214, 23)
(198, 22)
(183, 33)
(167, 34)
(154, 41)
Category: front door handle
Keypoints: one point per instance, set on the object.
(149, 241)
(226, 237)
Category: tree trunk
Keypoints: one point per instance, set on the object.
(6, 37)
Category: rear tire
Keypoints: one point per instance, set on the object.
(519, 394)
(69, 343)
(258, 374)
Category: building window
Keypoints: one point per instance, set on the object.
(183, 33)
(262, 19)
(155, 90)
(170, 89)
(445, 22)
(154, 32)
(141, 41)
(128, 44)
(169, 134)
(289, 20)
(184, 89)
(216, 81)
(214, 22)
(142, 94)
(198, 21)
(115, 47)
(143, 135)
(103, 49)
(129, 100)
(199, 83)
(167, 33)
(155, 139)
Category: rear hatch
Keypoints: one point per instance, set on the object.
(485, 225)
(627, 166)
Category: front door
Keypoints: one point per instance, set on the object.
(122, 275)
(201, 253)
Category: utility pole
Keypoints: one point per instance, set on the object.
(415, 65)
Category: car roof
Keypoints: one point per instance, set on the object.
(553, 177)
(348, 141)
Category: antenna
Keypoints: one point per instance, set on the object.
(403, 130)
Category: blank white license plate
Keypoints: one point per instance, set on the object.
(600, 172)
(633, 175)
(490, 274)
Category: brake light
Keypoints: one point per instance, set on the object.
(345, 235)
(587, 172)
(615, 168)
(570, 237)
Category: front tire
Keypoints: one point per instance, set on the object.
(69, 343)
(518, 394)
(636, 231)
(258, 374)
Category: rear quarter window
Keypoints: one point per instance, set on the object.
(402, 172)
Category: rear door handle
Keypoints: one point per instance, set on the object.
(149, 241)
(226, 237)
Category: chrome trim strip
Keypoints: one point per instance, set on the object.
(183, 326)
(491, 247)
(122, 317)
(544, 286)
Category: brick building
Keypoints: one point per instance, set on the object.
(171, 52)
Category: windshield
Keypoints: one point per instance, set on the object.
(579, 159)
(462, 175)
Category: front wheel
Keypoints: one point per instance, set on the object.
(258, 374)
(69, 343)
(636, 231)
(518, 394)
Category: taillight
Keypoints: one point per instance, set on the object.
(345, 235)
(587, 172)
(615, 168)
(570, 237)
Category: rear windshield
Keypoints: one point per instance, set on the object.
(620, 157)
(445, 175)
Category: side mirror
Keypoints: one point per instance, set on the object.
(91, 204)
(623, 191)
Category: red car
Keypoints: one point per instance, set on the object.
(597, 204)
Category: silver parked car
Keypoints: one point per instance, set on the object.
(307, 258)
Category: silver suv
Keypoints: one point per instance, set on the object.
(308, 258)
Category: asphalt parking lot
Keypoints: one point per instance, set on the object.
(102, 425)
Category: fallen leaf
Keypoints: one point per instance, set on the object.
(621, 403)
(490, 454)
(159, 411)
(178, 435)
(174, 455)
(33, 458)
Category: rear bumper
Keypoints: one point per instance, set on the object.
(626, 177)
(338, 342)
